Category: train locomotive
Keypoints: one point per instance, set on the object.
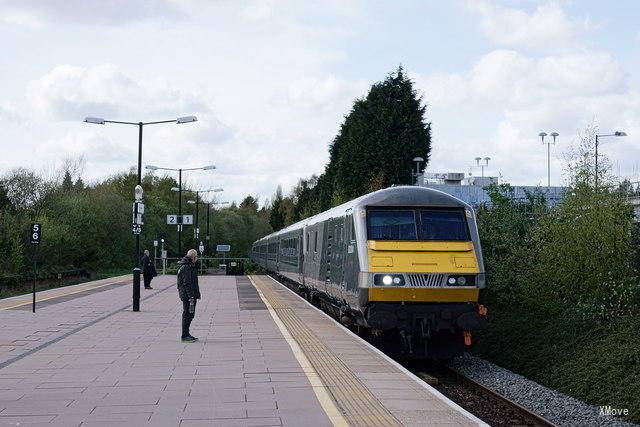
(402, 265)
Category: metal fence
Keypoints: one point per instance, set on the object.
(208, 265)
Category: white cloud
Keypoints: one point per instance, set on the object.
(36, 13)
(547, 28)
(499, 106)
(70, 93)
(511, 78)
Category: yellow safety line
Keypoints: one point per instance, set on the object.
(58, 296)
(322, 394)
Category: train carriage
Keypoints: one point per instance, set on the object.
(403, 263)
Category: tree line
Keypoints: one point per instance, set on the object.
(89, 226)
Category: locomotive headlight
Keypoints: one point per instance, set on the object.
(388, 280)
(466, 280)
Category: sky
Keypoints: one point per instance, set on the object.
(271, 82)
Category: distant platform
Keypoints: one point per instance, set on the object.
(265, 358)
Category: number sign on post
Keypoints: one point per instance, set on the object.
(36, 236)
(36, 231)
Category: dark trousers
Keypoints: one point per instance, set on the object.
(186, 318)
(147, 280)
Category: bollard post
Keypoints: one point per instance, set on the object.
(136, 289)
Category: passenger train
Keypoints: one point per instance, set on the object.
(402, 264)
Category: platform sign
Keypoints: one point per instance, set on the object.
(163, 254)
(223, 248)
(175, 219)
(36, 233)
(138, 213)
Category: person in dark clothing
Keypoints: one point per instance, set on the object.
(188, 291)
(148, 270)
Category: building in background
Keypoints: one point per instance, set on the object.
(473, 189)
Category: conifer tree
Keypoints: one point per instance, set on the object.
(276, 219)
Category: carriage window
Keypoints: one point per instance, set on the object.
(307, 251)
(315, 241)
(444, 225)
(392, 225)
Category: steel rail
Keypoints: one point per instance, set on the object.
(540, 420)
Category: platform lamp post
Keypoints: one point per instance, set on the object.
(416, 174)
(618, 133)
(140, 125)
(179, 190)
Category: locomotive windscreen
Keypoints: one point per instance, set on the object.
(417, 225)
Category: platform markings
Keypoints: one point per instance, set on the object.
(320, 390)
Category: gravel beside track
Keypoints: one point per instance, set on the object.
(556, 407)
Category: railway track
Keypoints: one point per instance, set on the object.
(483, 402)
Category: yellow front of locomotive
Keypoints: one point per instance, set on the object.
(424, 274)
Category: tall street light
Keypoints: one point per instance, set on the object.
(554, 135)
(618, 133)
(179, 190)
(486, 163)
(101, 121)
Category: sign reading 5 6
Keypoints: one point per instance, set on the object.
(36, 233)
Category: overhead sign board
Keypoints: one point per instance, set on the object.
(36, 233)
(223, 248)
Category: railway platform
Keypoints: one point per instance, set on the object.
(264, 357)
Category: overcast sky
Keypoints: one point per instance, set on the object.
(270, 82)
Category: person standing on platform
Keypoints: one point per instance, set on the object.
(148, 270)
(188, 291)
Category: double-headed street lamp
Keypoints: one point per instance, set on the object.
(486, 163)
(179, 190)
(101, 121)
(196, 230)
(618, 133)
(554, 135)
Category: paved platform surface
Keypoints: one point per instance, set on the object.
(265, 357)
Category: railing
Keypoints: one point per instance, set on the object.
(208, 265)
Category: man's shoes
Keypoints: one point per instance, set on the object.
(189, 339)
(193, 337)
(148, 287)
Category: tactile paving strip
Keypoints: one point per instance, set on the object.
(357, 404)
